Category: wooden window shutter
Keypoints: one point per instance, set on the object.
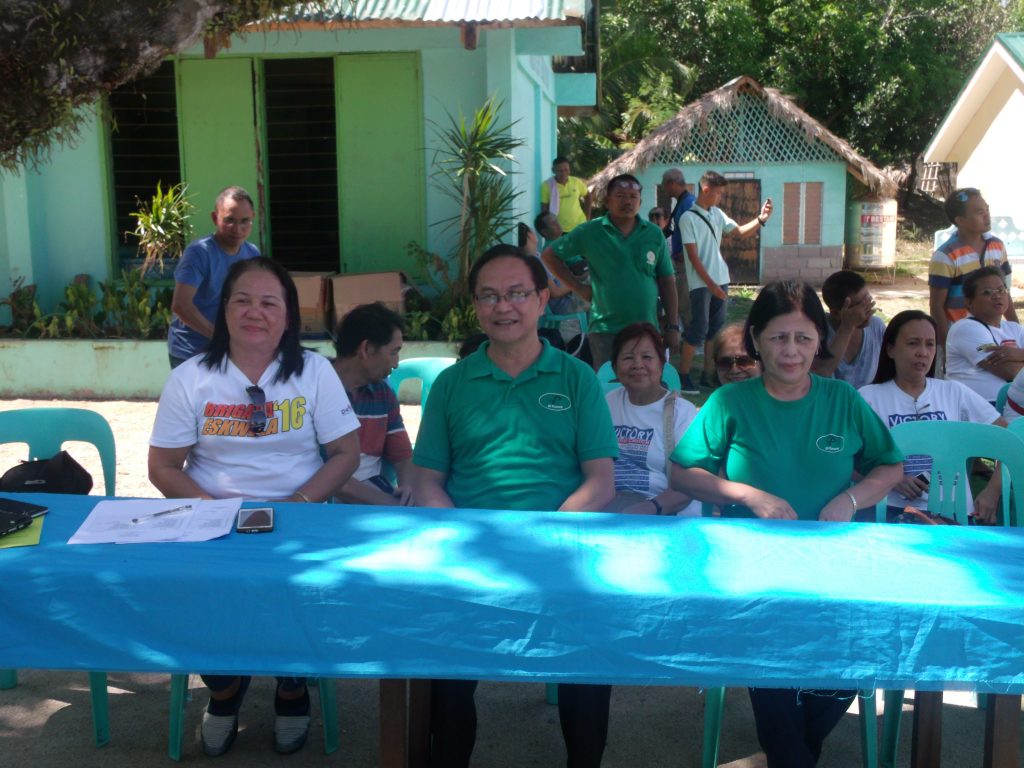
(813, 192)
(802, 211)
(791, 214)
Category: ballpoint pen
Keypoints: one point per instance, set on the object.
(161, 513)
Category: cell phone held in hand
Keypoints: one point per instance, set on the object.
(255, 520)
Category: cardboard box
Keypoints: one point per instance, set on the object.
(349, 291)
(314, 301)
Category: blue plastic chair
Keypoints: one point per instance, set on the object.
(605, 375)
(952, 446)
(426, 369)
(45, 430)
(179, 695)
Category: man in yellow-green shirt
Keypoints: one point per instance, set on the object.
(573, 202)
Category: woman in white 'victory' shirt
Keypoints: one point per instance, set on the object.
(649, 419)
(904, 390)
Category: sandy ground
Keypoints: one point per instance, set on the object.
(46, 720)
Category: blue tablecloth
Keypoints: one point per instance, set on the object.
(399, 592)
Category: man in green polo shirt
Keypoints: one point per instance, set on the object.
(515, 425)
(630, 267)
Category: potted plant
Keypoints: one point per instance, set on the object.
(163, 229)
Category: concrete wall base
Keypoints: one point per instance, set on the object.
(114, 369)
(809, 263)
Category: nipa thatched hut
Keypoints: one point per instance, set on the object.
(825, 193)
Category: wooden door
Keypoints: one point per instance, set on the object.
(742, 202)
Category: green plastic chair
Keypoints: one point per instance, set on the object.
(550, 320)
(426, 369)
(1001, 397)
(952, 445)
(606, 376)
(714, 705)
(179, 695)
(46, 430)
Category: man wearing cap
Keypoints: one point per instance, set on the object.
(630, 269)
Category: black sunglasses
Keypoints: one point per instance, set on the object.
(740, 361)
(258, 417)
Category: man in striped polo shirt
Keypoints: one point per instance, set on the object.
(969, 248)
(368, 341)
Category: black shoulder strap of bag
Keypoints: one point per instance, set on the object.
(987, 328)
(702, 217)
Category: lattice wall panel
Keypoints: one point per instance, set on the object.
(747, 134)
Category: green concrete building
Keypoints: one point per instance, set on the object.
(325, 119)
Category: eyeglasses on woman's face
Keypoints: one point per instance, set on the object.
(743, 362)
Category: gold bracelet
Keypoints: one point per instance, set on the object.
(303, 496)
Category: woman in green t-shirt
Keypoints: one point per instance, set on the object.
(786, 446)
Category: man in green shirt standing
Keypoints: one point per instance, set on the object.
(517, 425)
(630, 267)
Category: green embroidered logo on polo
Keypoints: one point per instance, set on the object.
(554, 401)
(830, 443)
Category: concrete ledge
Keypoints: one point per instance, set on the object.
(115, 369)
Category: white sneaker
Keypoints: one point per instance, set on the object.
(219, 733)
(290, 733)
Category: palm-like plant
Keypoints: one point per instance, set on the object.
(468, 168)
(162, 225)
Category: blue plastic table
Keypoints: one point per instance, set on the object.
(377, 592)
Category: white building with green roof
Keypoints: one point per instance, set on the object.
(981, 133)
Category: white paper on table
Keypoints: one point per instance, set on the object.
(110, 522)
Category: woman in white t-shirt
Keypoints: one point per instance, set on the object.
(248, 418)
(984, 350)
(649, 419)
(904, 390)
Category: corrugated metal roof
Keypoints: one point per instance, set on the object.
(436, 11)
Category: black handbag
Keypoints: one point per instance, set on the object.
(60, 474)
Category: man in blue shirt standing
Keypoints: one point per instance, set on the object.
(673, 183)
(200, 274)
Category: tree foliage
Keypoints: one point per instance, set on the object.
(57, 56)
(879, 73)
(641, 88)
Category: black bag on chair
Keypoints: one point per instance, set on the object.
(60, 474)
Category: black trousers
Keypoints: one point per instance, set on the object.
(792, 724)
(582, 711)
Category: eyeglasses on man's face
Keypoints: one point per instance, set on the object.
(990, 292)
(490, 299)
